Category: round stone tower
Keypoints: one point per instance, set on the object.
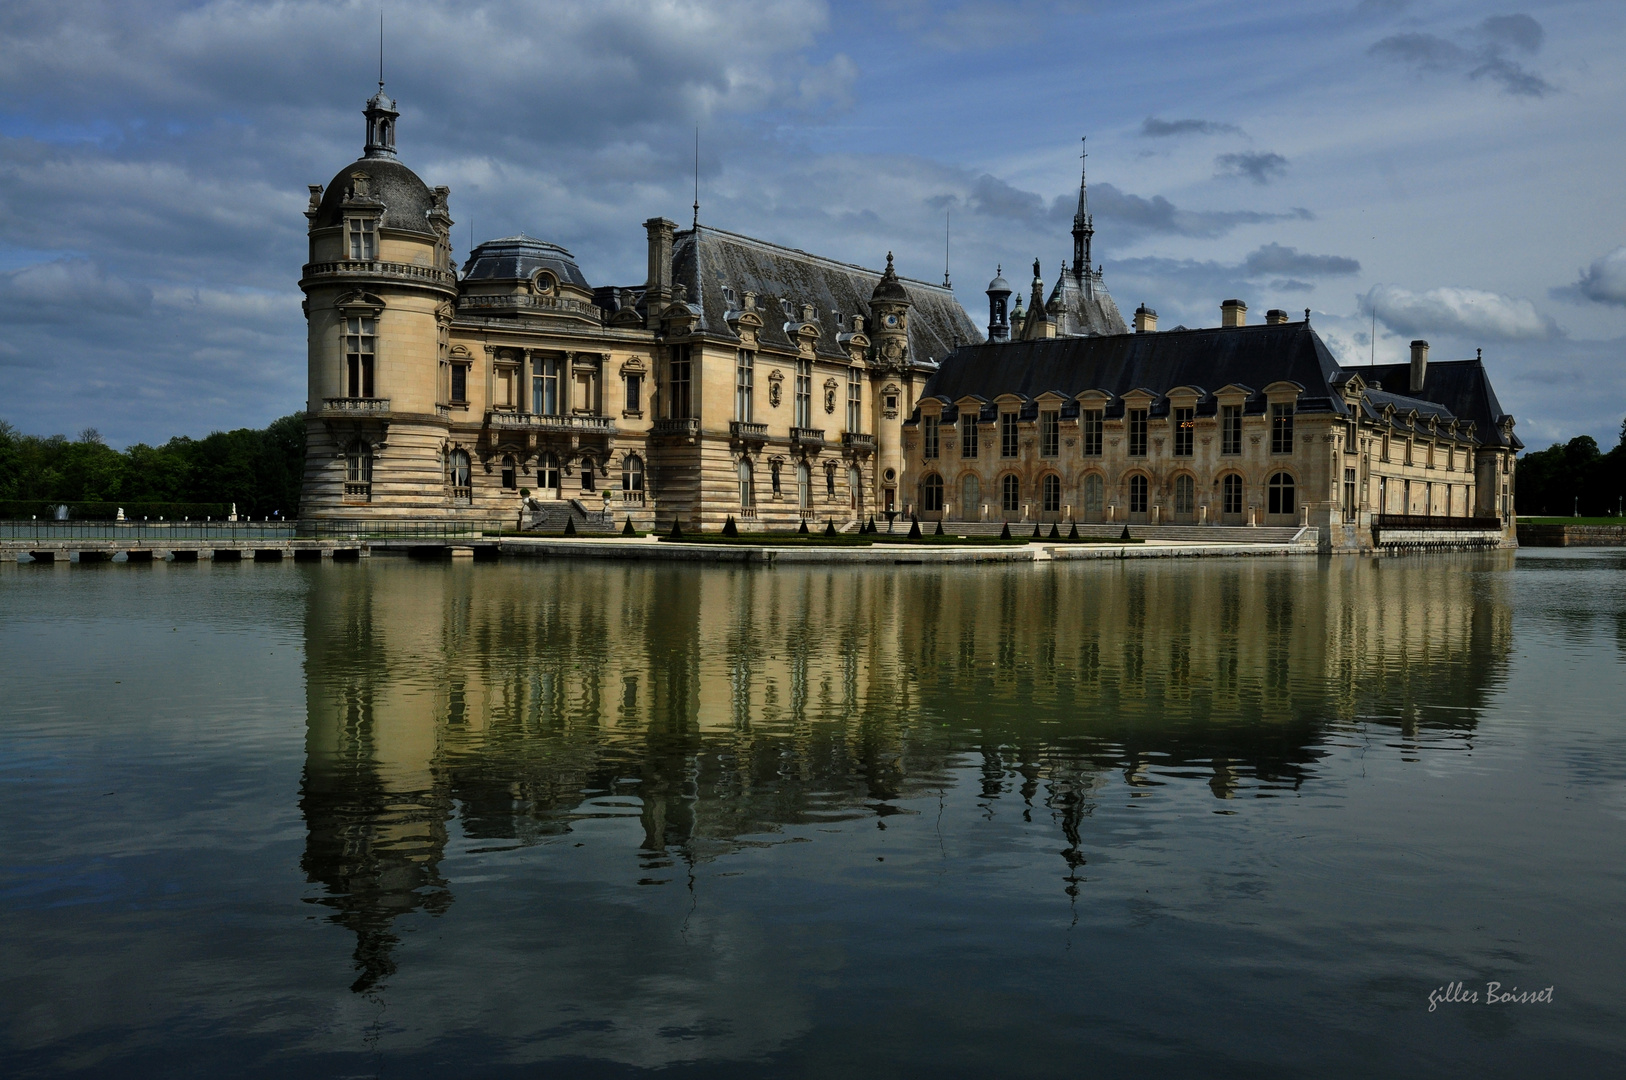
(379, 296)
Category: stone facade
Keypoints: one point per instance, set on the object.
(739, 379)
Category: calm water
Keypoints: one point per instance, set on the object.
(1223, 818)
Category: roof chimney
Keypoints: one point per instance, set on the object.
(1275, 317)
(1419, 365)
(1233, 313)
(1145, 320)
(658, 286)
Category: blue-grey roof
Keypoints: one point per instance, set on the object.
(407, 200)
(518, 258)
(1461, 387)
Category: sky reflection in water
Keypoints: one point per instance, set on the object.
(1222, 818)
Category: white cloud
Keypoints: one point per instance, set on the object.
(1464, 312)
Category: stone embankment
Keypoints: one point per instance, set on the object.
(1531, 535)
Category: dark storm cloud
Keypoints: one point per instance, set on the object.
(1154, 128)
(1260, 167)
(1276, 259)
(1484, 58)
(1135, 214)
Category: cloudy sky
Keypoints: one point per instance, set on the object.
(1452, 168)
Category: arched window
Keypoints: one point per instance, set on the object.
(931, 493)
(358, 472)
(587, 474)
(1010, 493)
(1051, 486)
(970, 497)
(804, 485)
(855, 488)
(1137, 494)
(1231, 494)
(632, 479)
(1095, 494)
(1281, 493)
(510, 472)
(457, 464)
(748, 488)
(547, 474)
(1185, 494)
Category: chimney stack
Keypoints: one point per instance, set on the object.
(1275, 317)
(1233, 313)
(658, 286)
(1145, 320)
(1419, 365)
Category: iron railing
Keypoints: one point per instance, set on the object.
(204, 532)
(1433, 521)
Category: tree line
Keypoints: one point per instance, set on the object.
(257, 469)
(1574, 475)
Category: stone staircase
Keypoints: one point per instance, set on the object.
(549, 519)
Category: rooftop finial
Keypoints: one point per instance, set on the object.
(1083, 224)
(381, 49)
(946, 212)
(697, 176)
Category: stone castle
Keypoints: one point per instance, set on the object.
(749, 380)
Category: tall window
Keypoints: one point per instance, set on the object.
(1185, 495)
(1095, 494)
(931, 494)
(1137, 494)
(363, 239)
(1349, 494)
(1185, 426)
(968, 435)
(1281, 493)
(855, 400)
(358, 472)
(1281, 429)
(359, 338)
(1352, 441)
(1010, 493)
(1137, 432)
(804, 393)
(457, 464)
(632, 480)
(1050, 487)
(588, 477)
(1007, 434)
(804, 485)
(1230, 429)
(681, 384)
(460, 384)
(928, 436)
(1384, 455)
(510, 472)
(547, 474)
(1231, 494)
(586, 392)
(1090, 423)
(748, 487)
(635, 393)
(1049, 433)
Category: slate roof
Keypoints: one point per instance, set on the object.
(1086, 306)
(516, 258)
(781, 275)
(1461, 387)
(1250, 356)
(407, 200)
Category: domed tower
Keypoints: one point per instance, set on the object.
(380, 291)
(889, 377)
(999, 294)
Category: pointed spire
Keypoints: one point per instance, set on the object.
(1083, 223)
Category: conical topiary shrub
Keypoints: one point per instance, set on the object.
(677, 530)
(570, 526)
(1055, 532)
(803, 530)
(1072, 533)
(872, 529)
(1037, 535)
(914, 527)
(939, 530)
(829, 528)
(628, 530)
(729, 528)
(1125, 534)
(1005, 533)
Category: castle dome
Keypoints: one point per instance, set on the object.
(407, 200)
(889, 287)
(518, 258)
(999, 286)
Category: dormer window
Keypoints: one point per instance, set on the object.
(363, 239)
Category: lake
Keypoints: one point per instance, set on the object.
(538, 818)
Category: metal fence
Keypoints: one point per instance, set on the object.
(198, 532)
(1433, 521)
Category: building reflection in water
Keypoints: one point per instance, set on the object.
(723, 704)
